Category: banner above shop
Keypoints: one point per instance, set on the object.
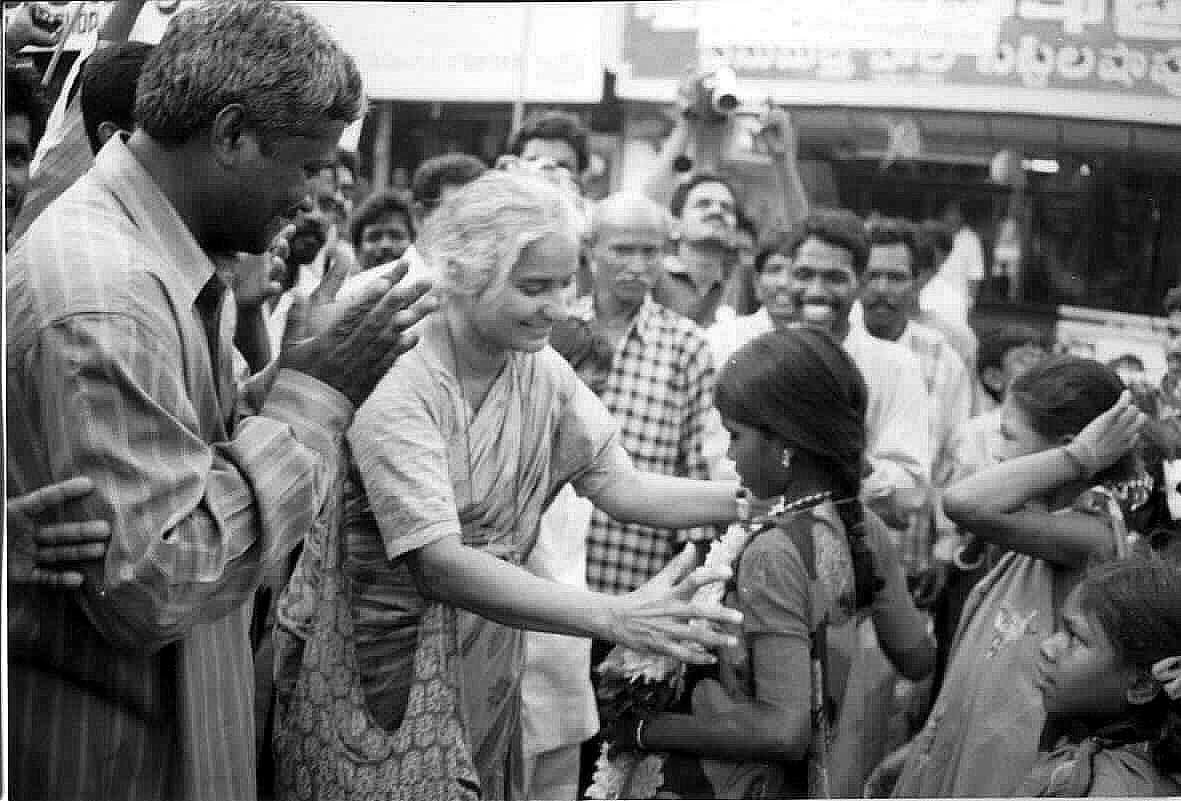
(430, 51)
(499, 52)
(1098, 59)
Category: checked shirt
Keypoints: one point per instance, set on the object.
(660, 390)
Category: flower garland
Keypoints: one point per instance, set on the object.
(636, 684)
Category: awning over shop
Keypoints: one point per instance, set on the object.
(975, 137)
(1117, 60)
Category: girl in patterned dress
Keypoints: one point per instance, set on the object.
(1056, 504)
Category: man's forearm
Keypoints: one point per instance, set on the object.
(791, 189)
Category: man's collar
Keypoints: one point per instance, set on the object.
(184, 265)
(674, 266)
(643, 321)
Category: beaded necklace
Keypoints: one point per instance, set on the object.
(783, 506)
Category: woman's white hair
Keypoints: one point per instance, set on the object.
(476, 236)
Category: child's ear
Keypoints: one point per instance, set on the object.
(1142, 688)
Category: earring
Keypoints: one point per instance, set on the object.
(786, 460)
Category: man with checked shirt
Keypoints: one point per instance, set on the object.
(660, 385)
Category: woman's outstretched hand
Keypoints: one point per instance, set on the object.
(657, 616)
(1108, 437)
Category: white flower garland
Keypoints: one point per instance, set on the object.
(632, 774)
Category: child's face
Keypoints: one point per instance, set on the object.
(1079, 673)
(758, 459)
(1017, 431)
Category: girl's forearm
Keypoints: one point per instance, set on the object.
(745, 733)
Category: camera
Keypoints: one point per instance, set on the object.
(44, 19)
(710, 95)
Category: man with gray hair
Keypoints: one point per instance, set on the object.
(659, 388)
(139, 685)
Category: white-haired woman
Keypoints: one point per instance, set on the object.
(456, 455)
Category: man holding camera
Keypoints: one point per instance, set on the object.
(693, 282)
(706, 204)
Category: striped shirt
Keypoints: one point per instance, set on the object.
(140, 685)
(660, 391)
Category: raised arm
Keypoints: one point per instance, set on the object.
(777, 133)
(661, 181)
(193, 524)
(994, 504)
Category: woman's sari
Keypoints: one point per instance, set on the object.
(425, 467)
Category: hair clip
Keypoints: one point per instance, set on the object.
(1168, 673)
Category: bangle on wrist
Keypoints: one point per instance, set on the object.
(640, 734)
(957, 559)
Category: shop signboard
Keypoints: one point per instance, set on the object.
(1100, 59)
(431, 51)
(472, 52)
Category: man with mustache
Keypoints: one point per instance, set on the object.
(889, 293)
(694, 281)
(812, 274)
(659, 387)
(119, 368)
(381, 230)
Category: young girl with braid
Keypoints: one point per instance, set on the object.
(1108, 680)
(794, 404)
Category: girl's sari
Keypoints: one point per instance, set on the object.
(981, 736)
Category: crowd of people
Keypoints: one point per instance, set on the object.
(316, 493)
